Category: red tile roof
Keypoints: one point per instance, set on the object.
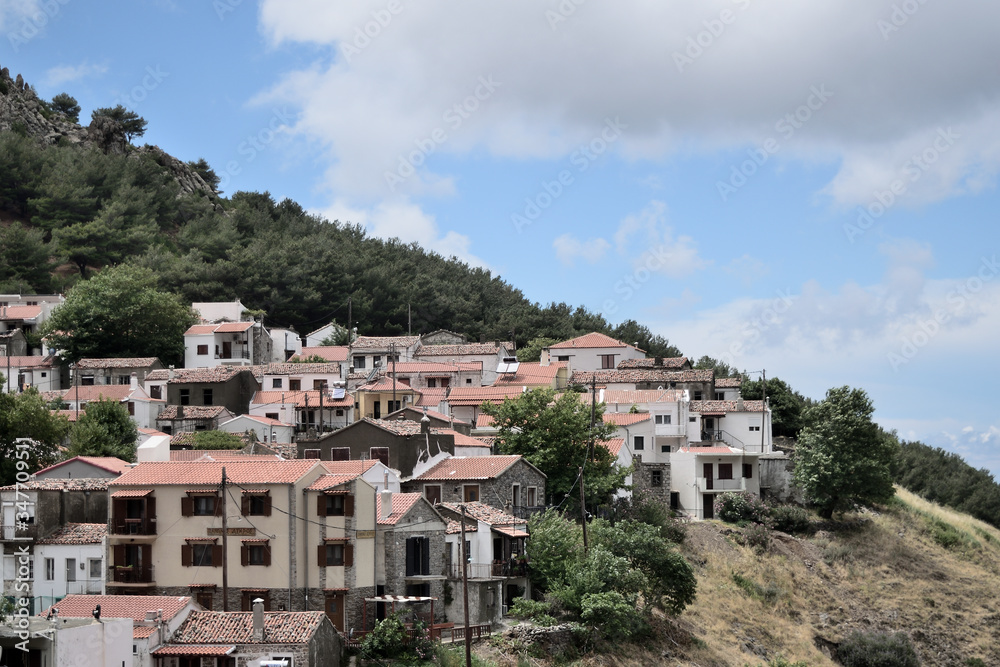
(642, 375)
(349, 467)
(206, 650)
(385, 385)
(225, 327)
(93, 392)
(728, 383)
(109, 463)
(483, 421)
(455, 527)
(8, 313)
(278, 397)
(590, 340)
(424, 367)
(431, 398)
(236, 627)
(401, 504)
(210, 472)
(217, 455)
(324, 482)
(18, 361)
(478, 395)
(634, 396)
(614, 445)
(57, 484)
(328, 352)
(726, 406)
(77, 533)
(263, 420)
(624, 418)
(196, 375)
(120, 606)
(670, 363)
(462, 440)
(470, 467)
(134, 362)
(383, 342)
(531, 373)
(171, 412)
(467, 349)
(488, 514)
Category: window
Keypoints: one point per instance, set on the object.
(748, 471)
(131, 408)
(319, 385)
(199, 504)
(255, 552)
(720, 395)
(432, 382)
(87, 380)
(335, 504)
(204, 598)
(445, 382)
(432, 492)
(50, 569)
(185, 396)
(467, 380)
(665, 449)
(607, 361)
(294, 385)
(638, 442)
(340, 453)
(663, 419)
(70, 569)
(418, 556)
(359, 362)
(246, 604)
(124, 379)
(336, 554)
(380, 453)
(692, 419)
(201, 553)
(531, 500)
(564, 357)
(275, 383)
(471, 493)
(310, 454)
(755, 428)
(697, 395)
(656, 478)
(156, 391)
(271, 415)
(96, 569)
(206, 396)
(256, 504)
(725, 471)
(202, 350)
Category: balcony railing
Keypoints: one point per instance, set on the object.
(668, 430)
(28, 532)
(705, 484)
(123, 526)
(526, 511)
(494, 570)
(89, 587)
(130, 574)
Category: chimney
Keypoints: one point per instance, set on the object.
(258, 620)
(170, 372)
(425, 423)
(133, 382)
(386, 497)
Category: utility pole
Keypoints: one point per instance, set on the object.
(322, 390)
(409, 321)
(349, 336)
(583, 511)
(392, 357)
(465, 595)
(225, 550)
(763, 408)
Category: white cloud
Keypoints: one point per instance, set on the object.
(646, 235)
(61, 74)
(568, 249)
(14, 12)
(748, 270)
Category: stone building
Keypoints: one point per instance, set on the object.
(504, 482)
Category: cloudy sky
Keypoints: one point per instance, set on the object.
(806, 188)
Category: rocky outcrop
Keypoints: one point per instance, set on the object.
(21, 111)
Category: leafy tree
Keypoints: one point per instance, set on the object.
(120, 313)
(553, 539)
(65, 103)
(721, 368)
(217, 440)
(786, 404)
(24, 257)
(842, 457)
(133, 125)
(105, 429)
(533, 350)
(633, 333)
(26, 415)
(555, 436)
(202, 168)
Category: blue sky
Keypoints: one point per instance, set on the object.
(808, 188)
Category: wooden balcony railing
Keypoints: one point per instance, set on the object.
(123, 526)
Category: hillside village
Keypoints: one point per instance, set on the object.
(361, 463)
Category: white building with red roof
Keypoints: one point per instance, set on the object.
(42, 373)
(84, 466)
(487, 356)
(591, 352)
(700, 474)
(321, 411)
(70, 561)
(265, 429)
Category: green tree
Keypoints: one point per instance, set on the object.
(553, 540)
(555, 436)
(24, 257)
(203, 169)
(105, 429)
(217, 440)
(26, 415)
(786, 404)
(65, 103)
(842, 457)
(721, 368)
(533, 350)
(120, 313)
(133, 125)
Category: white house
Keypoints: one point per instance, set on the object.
(316, 338)
(285, 344)
(142, 408)
(225, 344)
(268, 430)
(298, 376)
(70, 561)
(591, 352)
(699, 474)
(741, 424)
(55, 641)
(21, 372)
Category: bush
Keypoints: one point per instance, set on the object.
(768, 594)
(877, 649)
(534, 611)
(757, 535)
(790, 519)
(742, 508)
(389, 641)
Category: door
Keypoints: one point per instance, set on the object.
(708, 502)
(377, 409)
(708, 474)
(335, 610)
(227, 350)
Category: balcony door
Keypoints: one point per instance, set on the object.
(708, 474)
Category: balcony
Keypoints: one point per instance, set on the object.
(669, 430)
(89, 587)
(526, 512)
(495, 570)
(708, 484)
(123, 526)
(28, 532)
(131, 574)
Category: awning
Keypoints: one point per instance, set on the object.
(193, 649)
(510, 531)
(400, 598)
(132, 493)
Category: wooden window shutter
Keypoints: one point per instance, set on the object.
(748, 470)
(410, 552)
(348, 555)
(218, 505)
(119, 554)
(216, 555)
(321, 504)
(267, 556)
(118, 509)
(244, 555)
(349, 505)
(321, 557)
(146, 554)
(267, 505)
(245, 505)
(150, 508)
(425, 555)
(187, 506)
(187, 559)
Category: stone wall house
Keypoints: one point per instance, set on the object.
(116, 371)
(230, 387)
(503, 481)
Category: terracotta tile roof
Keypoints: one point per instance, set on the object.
(614, 445)
(286, 450)
(196, 375)
(433, 414)
(328, 352)
(210, 472)
(224, 327)
(324, 482)
(531, 373)
(511, 531)
(109, 463)
(462, 440)
(19, 361)
(634, 396)
(145, 431)
(311, 396)
(383, 342)
(349, 467)
(141, 631)
(466, 349)
(170, 413)
(201, 650)
(261, 420)
(642, 375)
(670, 363)
(728, 383)
(432, 397)
(488, 514)
(624, 418)
(590, 340)
(68, 414)
(470, 467)
(120, 606)
(483, 421)
(397, 426)
(455, 527)
(470, 366)
(726, 406)
(8, 313)
(290, 368)
(77, 533)
(76, 484)
(93, 392)
(134, 362)
(478, 395)
(236, 627)
(384, 385)
(217, 455)
(424, 367)
(401, 504)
